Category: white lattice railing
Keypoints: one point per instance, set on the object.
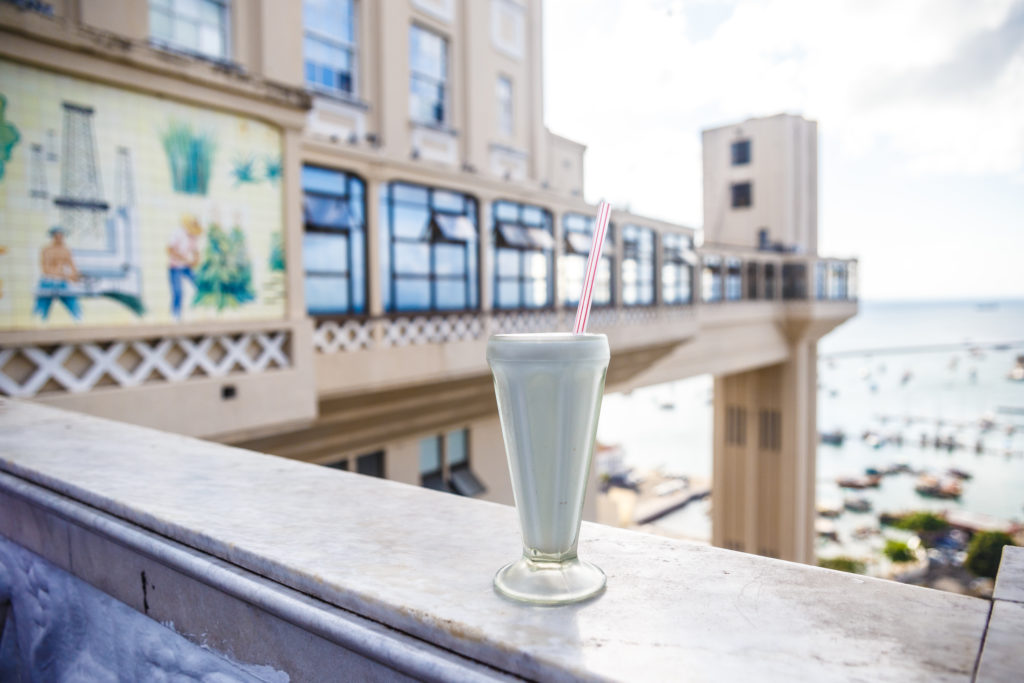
(358, 334)
(76, 367)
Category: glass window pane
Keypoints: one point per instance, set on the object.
(456, 447)
(451, 294)
(186, 34)
(326, 212)
(450, 259)
(327, 294)
(506, 211)
(508, 263)
(371, 464)
(323, 252)
(357, 277)
(536, 265)
(323, 180)
(410, 221)
(412, 294)
(430, 454)
(427, 53)
(537, 293)
(211, 40)
(412, 258)
(449, 201)
(409, 194)
(160, 26)
(508, 294)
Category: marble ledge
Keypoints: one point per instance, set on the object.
(1010, 579)
(421, 562)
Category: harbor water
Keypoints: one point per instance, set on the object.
(902, 369)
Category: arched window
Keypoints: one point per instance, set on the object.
(677, 261)
(579, 235)
(637, 266)
(524, 247)
(334, 241)
(429, 249)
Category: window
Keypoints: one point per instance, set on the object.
(769, 281)
(370, 464)
(677, 260)
(752, 276)
(572, 266)
(794, 281)
(711, 279)
(428, 66)
(637, 266)
(740, 152)
(329, 39)
(334, 241)
(429, 249)
(444, 464)
(197, 26)
(733, 279)
(524, 248)
(741, 195)
(506, 122)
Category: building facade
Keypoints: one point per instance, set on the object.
(293, 226)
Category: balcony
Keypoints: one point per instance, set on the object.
(314, 573)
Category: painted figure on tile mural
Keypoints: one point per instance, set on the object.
(182, 258)
(58, 272)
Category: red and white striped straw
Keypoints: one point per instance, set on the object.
(604, 212)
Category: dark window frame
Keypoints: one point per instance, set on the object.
(712, 264)
(311, 227)
(740, 152)
(629, 243)
(471, 210)
(733, 272)
(741, 195)
(547, 224)
(441, 479)
(571, 224)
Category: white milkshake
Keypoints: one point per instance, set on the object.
(549, 389)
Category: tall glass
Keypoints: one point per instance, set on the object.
(549, 389)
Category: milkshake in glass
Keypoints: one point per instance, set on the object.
(549, 389)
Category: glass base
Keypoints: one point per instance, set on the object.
(549, 583)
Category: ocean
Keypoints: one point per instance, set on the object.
(879, 373)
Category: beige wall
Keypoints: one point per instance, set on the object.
(783, 171)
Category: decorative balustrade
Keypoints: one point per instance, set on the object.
(357, 334)
(34, 369)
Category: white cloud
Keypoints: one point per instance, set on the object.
(921, 87)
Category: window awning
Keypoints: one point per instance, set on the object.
(578, 243)
(541, 239)
(451, 228)
(465, 482)
(681, 256)
(327, 212)
(519, 237)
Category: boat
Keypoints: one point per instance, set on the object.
(857, 504)
(933, 487)
(863, 532)
(859, 482)
(834, 438)
(1017, 373)
(826, 529)
(829, 510)
(907, 376)
(959, 474)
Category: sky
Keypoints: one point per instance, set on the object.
(919, 103)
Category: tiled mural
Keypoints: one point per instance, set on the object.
(118, 208)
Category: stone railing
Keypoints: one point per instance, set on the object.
(308, 573)
(118, 360)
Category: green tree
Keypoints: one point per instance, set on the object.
(922, 522)
(224, 279)
(843, 564)
(898, 551)
(985, 551)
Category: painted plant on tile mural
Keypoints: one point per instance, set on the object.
(121, 209)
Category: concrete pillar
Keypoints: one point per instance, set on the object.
(374, 282)
(765, 440)
(485, 260)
